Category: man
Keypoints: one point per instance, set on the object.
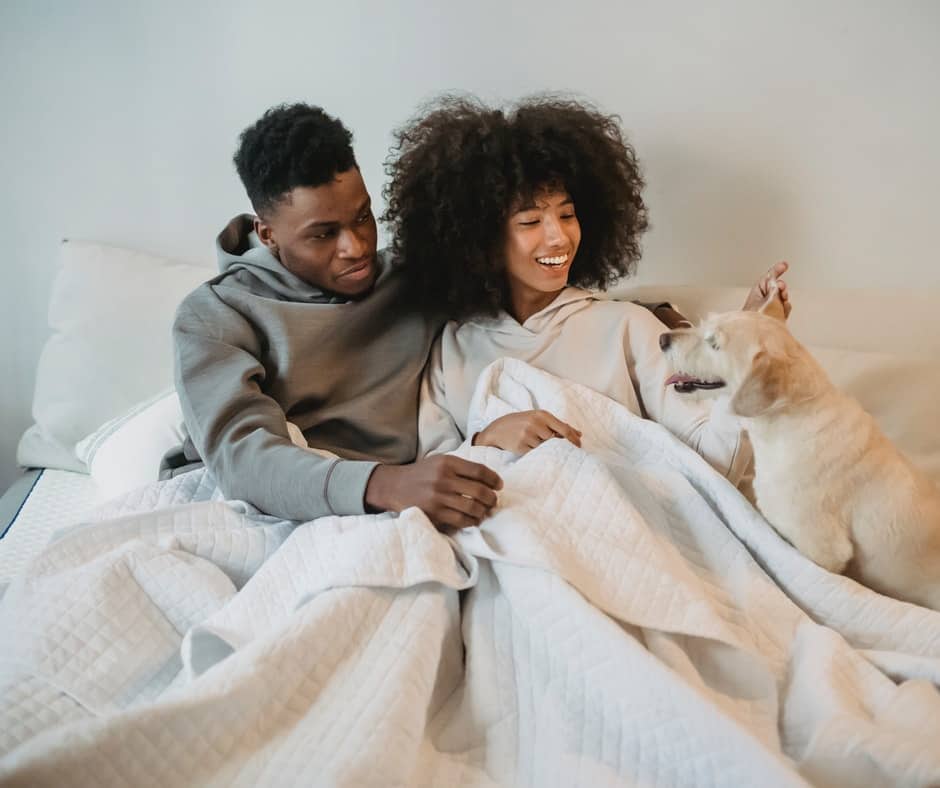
(304, 323)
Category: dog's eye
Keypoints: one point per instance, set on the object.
(712, 341)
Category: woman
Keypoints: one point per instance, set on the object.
(503, 221)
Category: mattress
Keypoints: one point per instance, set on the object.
(58, 499)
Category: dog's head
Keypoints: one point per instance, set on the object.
(748, 356)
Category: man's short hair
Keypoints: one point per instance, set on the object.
(291, 145)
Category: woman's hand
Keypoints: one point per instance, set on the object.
(770, 294)
(520, 432)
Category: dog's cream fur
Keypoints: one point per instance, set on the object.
(826, 477)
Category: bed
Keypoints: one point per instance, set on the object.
(176, 638)
(41, 502)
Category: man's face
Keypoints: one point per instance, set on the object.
(325, 235)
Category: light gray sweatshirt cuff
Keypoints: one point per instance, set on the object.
(345, 486)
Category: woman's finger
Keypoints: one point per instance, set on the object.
(564, 430)
(543, 432)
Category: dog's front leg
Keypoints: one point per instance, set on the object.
(822, 538)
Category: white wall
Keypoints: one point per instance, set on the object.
(798, 130)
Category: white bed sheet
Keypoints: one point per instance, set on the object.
(58, 500)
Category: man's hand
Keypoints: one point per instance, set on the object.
(671, 318)
(452, 492)
(520, 432)
(761, 294)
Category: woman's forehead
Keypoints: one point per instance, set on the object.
(544, 195)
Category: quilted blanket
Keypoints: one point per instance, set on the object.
(624, 618)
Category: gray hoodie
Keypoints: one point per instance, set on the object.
(257, 347)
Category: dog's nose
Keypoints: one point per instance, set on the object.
(665, 340)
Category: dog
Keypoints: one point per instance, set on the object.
(826, 477)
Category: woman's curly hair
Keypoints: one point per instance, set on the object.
(461, 166)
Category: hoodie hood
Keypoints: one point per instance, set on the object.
(240, 252)
(568, 301)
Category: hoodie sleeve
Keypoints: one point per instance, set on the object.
(240, 432)
(438, 433)
(705, 425)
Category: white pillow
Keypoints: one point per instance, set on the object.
(110, 313)
(125, 453)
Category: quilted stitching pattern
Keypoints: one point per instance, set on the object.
(60, 499)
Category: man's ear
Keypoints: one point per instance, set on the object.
(763, 386)
(265, 234)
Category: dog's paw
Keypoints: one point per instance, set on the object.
(832, 552)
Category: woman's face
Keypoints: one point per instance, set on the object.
(542, 237)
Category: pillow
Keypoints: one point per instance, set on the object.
(110, 313)
(125, 453)
(900, 392)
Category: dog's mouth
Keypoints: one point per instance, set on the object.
(685, 383)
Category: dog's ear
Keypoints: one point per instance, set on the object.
(773, 306)
(762, 388)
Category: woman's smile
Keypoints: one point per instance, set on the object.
(552, 262)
